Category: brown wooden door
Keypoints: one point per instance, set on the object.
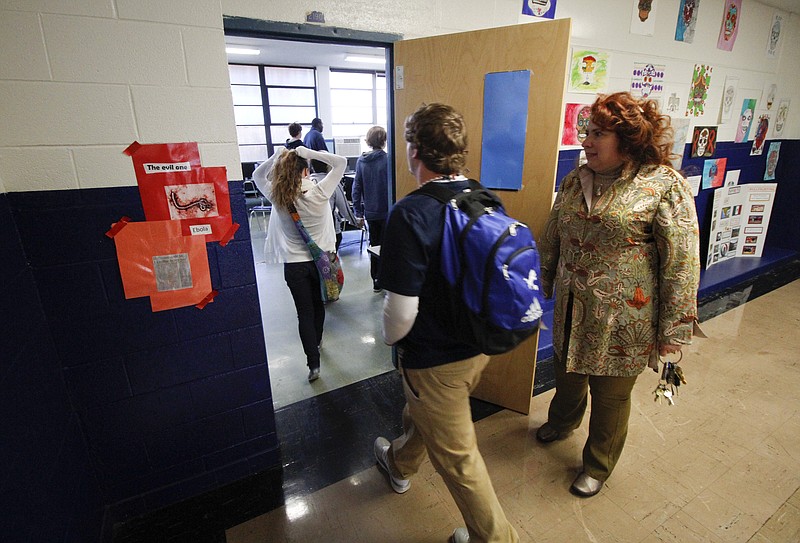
(451, 69)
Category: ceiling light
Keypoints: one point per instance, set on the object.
(365, 58)
(241, 51)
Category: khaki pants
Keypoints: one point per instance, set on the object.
(608, 422)
(437, 420)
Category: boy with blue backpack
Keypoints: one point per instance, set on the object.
(441, 363)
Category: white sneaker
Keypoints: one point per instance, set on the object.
(381, 449)
(460, 535)
(313, 375)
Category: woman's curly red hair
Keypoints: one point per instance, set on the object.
(645, 135)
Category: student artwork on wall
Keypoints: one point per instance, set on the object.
(647, 80)
(588, 71)
(671, 100)
(643, 17)
(680, 126)
(780, 119)
(761, 135)
(714, 173)
(704, 141)
(731, 19)
(687, 19)
(768, 94)
(545, 9)
(698, 91)
(745, 120)
(774, 37)
(772, 160)
(576, 123)
(728, 99)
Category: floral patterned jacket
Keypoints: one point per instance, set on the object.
(631, 264)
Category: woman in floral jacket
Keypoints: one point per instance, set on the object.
(620, 249)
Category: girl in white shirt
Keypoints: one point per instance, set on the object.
(284, 179)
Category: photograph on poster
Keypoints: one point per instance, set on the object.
(745, 120)
(732, 245)
(725, 213)
(730, 24)
(687, 19)
(761, 135)
(698, 91)
(755, 219)
(748, 249)
(757, 208)
(751, 239)
(774, 37)
(737, 210)
(704, 141)
(735, 233)
(576, 123)
(589, 71)
(728, 99)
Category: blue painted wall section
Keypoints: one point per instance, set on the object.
(48, 491)
(173, 403)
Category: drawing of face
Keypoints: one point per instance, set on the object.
(761, 131)
(648, 74)
(773, 90)
(772, 161)
(582, 123)
(727, 100)
(730, 22)
(688, 12)
(702, 142)
(780, 119)
(644, 9)
(539, 7)
(699, 92)
(587, 67)
(712, 170)
(744, 124)
(774, 34)
(673, 102)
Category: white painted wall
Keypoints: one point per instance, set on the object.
(79, 81)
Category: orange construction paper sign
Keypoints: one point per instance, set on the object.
(156, 260)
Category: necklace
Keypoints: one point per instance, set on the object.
(602, 181)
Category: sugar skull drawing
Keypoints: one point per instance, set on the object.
(727, 99)
(702, 142)
(730, 21)
(761, 133)
(743, 130)
(771, 92)
(688, 12)
(780, 117)
(774, 35)
(644, 9)
(587, 69)
(539, 7)
(648, 74)
(701, 80)
(772, 163)
(582, 123)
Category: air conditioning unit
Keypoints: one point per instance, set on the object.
(347, 146)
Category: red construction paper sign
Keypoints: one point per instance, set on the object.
(156, 260)
(173, 186)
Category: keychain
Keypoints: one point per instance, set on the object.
(671, 379)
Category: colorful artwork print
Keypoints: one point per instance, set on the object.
(576, 123)
(761, 135)
(714, 173)
(728, 99)
(545, 9)
(704, 141)
(643, 17)
(774, 35)
(698, 92)
(745, 120)
(772, 163)
(589, 71)
(687, 19)
(647, 80)
(731, 17)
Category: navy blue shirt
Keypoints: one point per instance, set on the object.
(410, 265)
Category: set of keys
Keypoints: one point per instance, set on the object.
(671, 379)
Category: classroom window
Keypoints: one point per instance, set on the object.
(358, 102)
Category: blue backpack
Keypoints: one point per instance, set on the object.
(491, 263)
